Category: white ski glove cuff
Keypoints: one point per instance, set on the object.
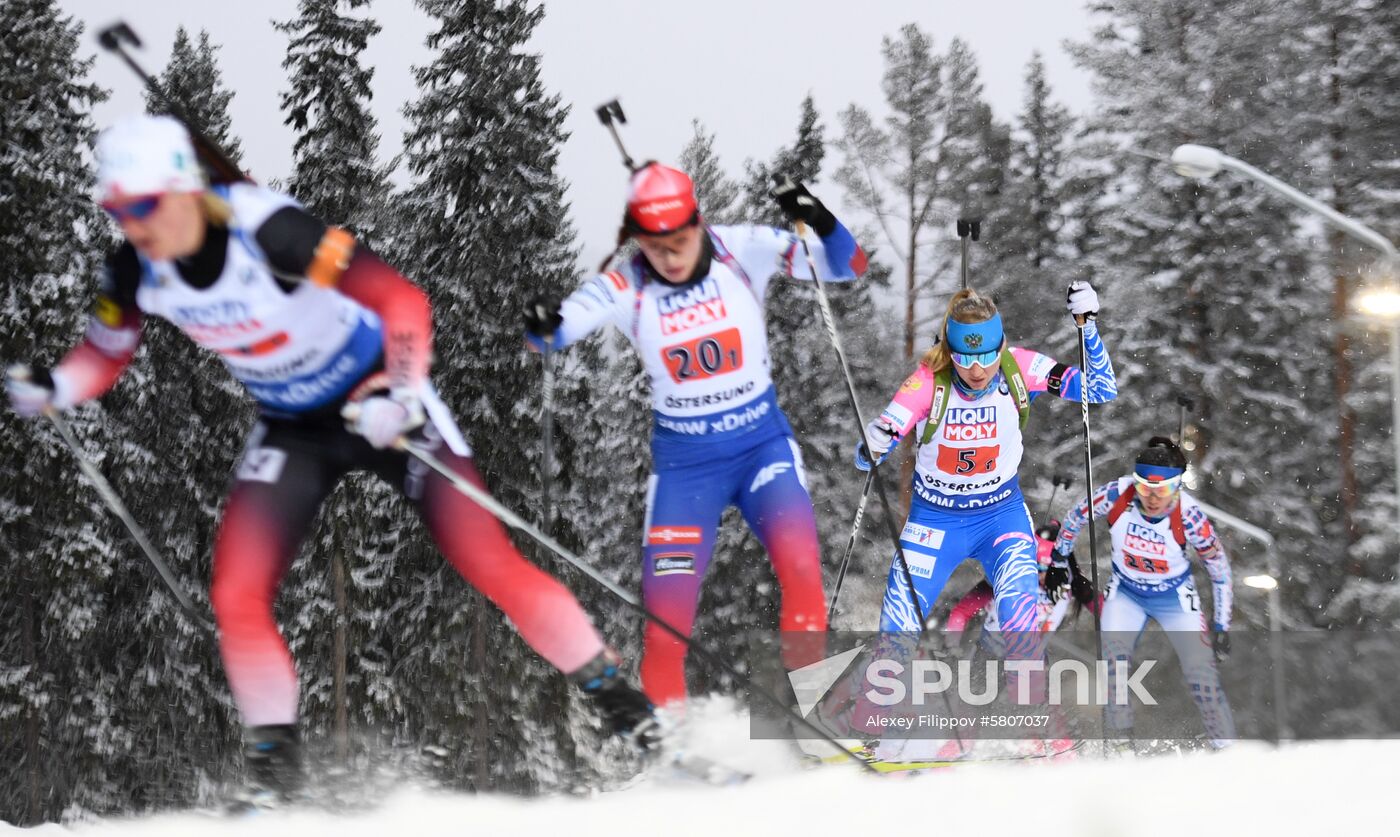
(880, 436)
(1082, 300)
(383, 419)
(31, 394)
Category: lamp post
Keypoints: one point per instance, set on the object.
(1385, 306)
(1202, 162)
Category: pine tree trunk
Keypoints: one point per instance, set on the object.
(342, 623)
(481, 729)
(33, 756)
(1346, 421)
(906, 466)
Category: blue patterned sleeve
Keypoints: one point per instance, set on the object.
(1104, 498)
(1103, 385)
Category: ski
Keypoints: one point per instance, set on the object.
(863, 754)
(690, 766)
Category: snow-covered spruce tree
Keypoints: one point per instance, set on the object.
(938, 157)
(894, 174)
(717, 194)
(1025, 263)
(57, 681)
(338, 178)
(488, 232)
(193, 81)
(1206, 287)
(975, 153)
(1347, 110)
(337, 175)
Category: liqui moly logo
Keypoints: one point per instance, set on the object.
(700, 305)
(1144, 539)
(969, 424)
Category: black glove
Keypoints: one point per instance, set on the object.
(542, 317)
(1080, 587)
(1056, 577)
(1220, 644)
(798, 204)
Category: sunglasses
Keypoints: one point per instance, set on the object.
(1157, 488)
(981, 360)
(136, 209)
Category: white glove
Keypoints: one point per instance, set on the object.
(1082, 301)
(383, 419)
(880, 436)
(31, 392)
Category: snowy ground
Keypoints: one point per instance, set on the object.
(1254, 789)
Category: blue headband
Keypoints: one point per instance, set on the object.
(1157, 473)
(975, 338)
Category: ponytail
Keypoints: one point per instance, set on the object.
(623, 236)
(216, 210)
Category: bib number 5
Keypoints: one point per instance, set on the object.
(965, 461)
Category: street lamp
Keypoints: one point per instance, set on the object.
(1202, 162)
(1383, 305)
(1261, 582)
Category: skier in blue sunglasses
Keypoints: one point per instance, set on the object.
(966, 406)
(1152, 522)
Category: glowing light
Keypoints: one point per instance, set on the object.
(1261, 582)
(1384, 304)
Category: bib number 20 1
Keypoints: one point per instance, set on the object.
(704, 357)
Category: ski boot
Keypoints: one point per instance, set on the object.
(625, 709)
(273, 757)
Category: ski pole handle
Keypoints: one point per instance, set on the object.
(22, 373)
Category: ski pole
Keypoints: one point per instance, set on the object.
(829, 321)
(607, 112)
(515, 521)
(547, 434)
(1081, 322)
(117, 507)
(115, 38)
(850, 546)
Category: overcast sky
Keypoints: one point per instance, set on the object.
(740, 66)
